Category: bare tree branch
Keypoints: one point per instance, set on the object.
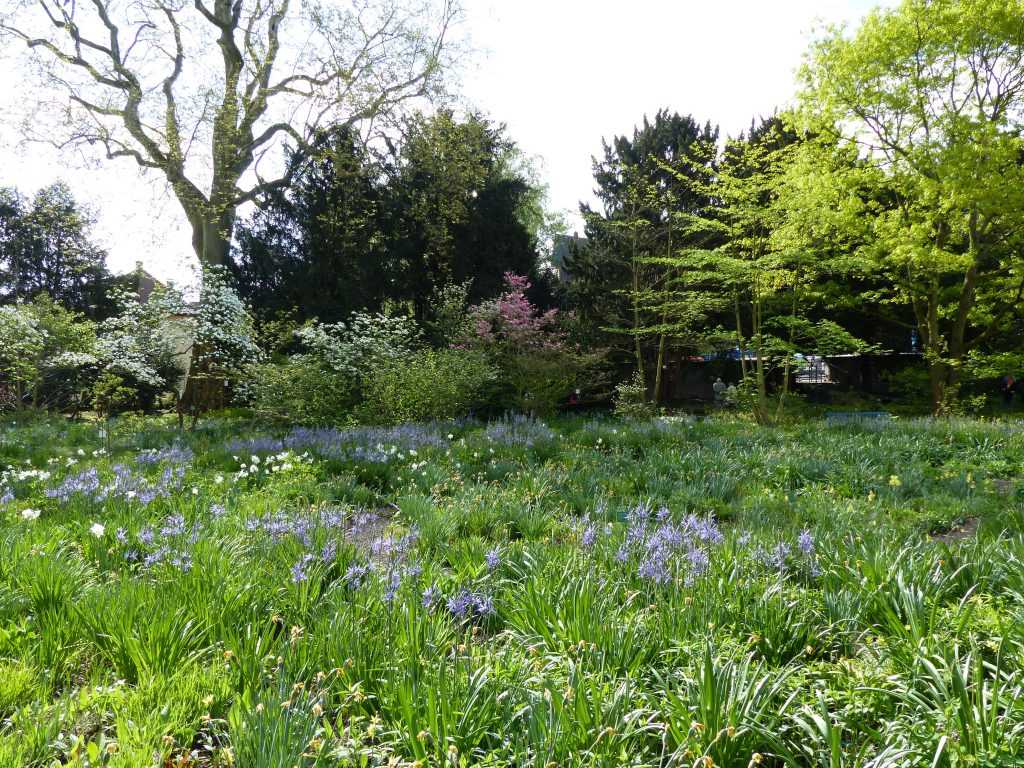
(351, 63)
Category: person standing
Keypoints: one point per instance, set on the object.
(719, 388)
(1007, 386)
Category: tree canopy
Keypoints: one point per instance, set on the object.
(203, 92)
(445, 204)
(47, 247)
(931, 95)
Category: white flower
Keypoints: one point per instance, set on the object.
(30, 514)
(218, 479)
(97, 530)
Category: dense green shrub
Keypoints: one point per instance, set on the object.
(540, 380)
(429, 384)
(302, 390)
(326, 381)
(46, 354)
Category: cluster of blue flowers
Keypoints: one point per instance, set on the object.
(664, 548)
(127, 484)
(173, 454)
(783, 558)
(469, 606)
(376, 445)
(493, 559)
(320, 533)
(171, 543)
(518, 431)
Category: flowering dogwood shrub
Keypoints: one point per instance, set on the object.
(21, 343)
(224, 333)
(143, 349)
(353, 348)
(133, 344)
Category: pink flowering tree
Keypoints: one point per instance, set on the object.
(511, 321)
(540, 366)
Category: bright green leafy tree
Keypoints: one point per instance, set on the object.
(931, 95)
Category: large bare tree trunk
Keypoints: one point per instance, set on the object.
(211, 240)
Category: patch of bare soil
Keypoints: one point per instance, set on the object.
(967, 530)
(1004, 487)
(367, 526)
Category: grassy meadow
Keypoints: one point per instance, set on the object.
(576, 593)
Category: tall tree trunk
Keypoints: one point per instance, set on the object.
(658, 377)
(211, 238)
(637, 348)
(938, 379)
(786, 366)
(761, 407)
(936, 355)
(740, 343)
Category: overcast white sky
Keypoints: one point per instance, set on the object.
(560, 73)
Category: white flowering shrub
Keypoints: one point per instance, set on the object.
(134, 344)
(353, 348)
(225, 333)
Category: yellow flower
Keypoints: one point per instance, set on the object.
(894, 481)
